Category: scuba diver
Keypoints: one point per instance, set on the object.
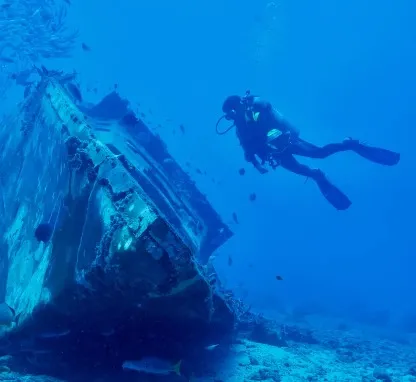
(266, 137)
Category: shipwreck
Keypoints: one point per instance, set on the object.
(123, 275)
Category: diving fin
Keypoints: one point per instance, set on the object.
(377, 155)
(331, 193)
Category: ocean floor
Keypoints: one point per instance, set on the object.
(339, 355)
(370, 362)
(355, 359)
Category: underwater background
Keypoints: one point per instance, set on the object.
(335, 69)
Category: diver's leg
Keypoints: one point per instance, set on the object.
(374, 154)
(306, 149)
(334, 196)
(290, 163)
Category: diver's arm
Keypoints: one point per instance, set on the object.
(249, 154)
(262, 170)
(257, 165)
(251, 157)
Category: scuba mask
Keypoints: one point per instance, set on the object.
(231, 114)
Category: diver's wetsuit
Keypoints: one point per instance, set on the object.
(253, 139)
(300, 147)
(261, 118)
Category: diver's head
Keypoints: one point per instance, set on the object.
(233, 108)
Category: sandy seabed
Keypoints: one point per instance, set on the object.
(339, 356)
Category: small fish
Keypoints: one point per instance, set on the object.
(168, 161)
(6, 60)
(4, 369)
(7, 315)
(235, 218)
(150, 365)
(36, 351)
(252, 197)
(230, 261)
(241, 171)
(279, 278)
(62, 333)
(43, 232)
(85, 47)
(211, 347)
(182, 128)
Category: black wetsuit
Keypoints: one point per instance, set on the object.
(261, 118)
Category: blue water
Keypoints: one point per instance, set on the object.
(335, 69)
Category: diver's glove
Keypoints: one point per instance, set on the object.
(259, 167)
